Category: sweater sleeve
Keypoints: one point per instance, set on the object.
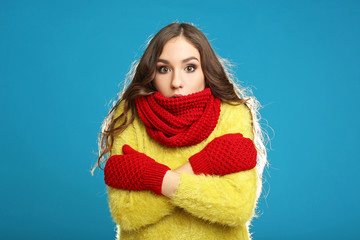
(229, 200)
(135, 209)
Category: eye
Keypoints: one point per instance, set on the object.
(163, 69)
(190, 68)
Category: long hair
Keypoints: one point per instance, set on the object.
(141, 76)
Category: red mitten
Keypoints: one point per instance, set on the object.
(134, 171)
(226, 154)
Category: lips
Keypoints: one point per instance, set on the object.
(176, 96)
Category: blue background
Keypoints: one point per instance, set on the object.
(61, 62)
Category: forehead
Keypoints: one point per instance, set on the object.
(179, 48)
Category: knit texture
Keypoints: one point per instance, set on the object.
(134, 171)
(182, 121)
(226, 154)
(205, 206)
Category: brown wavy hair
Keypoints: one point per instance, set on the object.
(142, 82)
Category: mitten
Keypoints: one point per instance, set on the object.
(226, 154)
(134, 171)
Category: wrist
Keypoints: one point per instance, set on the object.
(170, 184)
(186, 168)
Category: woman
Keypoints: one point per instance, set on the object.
(181, 142)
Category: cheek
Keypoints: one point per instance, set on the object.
(199, 81)
(159, 81)
(162, 85)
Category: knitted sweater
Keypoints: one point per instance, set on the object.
(204, 207)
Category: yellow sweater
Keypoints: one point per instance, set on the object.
(204, 207)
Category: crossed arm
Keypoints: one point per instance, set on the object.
(224, 155)
(126, 207)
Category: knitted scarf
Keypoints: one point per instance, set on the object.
(182, 121)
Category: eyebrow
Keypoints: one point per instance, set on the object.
(184, 61)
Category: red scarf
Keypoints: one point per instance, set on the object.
(177, 122)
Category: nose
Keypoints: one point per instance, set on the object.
(177, 81)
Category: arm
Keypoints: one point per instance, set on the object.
(135, 209)
(228, 200)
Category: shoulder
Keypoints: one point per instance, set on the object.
(131, 134)
(236, 119)
(119, 110)
(240, 111)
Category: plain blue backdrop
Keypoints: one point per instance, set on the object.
(61, 62)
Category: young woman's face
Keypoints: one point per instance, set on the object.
(178, 70)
